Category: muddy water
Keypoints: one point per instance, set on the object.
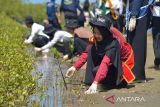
(50, 87)
(50, 90)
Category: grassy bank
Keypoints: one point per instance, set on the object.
(17, 10)
(16, 82)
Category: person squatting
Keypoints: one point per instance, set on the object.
(111, 57)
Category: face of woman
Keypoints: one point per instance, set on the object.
(97, 34)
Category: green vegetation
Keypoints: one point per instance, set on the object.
(17, 10)
(16, 82)
(15, 65)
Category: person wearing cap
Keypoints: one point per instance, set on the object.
(81, 35)
(109, 59)
(36, 37)
(57, 37)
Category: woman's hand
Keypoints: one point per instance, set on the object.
(92, 89)
(70, 72)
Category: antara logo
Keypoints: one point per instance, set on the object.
(112, 99)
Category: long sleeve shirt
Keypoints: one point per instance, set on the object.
(58, 37)
(137, 4)
(105, 63)
(36, 29)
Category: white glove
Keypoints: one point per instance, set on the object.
(37, 49)
(45, 50)
(27, 41)
(132, 24)
(92, 89)
(70, 72)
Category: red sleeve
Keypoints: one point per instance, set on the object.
(82, 59)
(103, 69)
(118, 35)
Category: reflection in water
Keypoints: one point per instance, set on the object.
(49, 90)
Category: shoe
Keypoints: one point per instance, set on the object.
(157, 67)
(157, 64)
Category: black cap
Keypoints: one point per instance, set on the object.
(72, 23)
(101, 21)
(29, 20)
(48, 28)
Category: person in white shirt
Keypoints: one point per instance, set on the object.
(37, 37)
(57, 37)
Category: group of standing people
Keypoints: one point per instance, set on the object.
(113, 60)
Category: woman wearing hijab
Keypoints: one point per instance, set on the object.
(109, 59)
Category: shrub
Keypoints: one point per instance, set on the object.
(16, 82)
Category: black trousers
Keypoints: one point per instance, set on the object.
(70, 15)
(55, 23)
(81, 19)
(156, 39)
(80, 45)
(138, 41)
(39, 41)
(121, 22)
(64, 47)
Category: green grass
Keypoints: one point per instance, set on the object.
(15, 65)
